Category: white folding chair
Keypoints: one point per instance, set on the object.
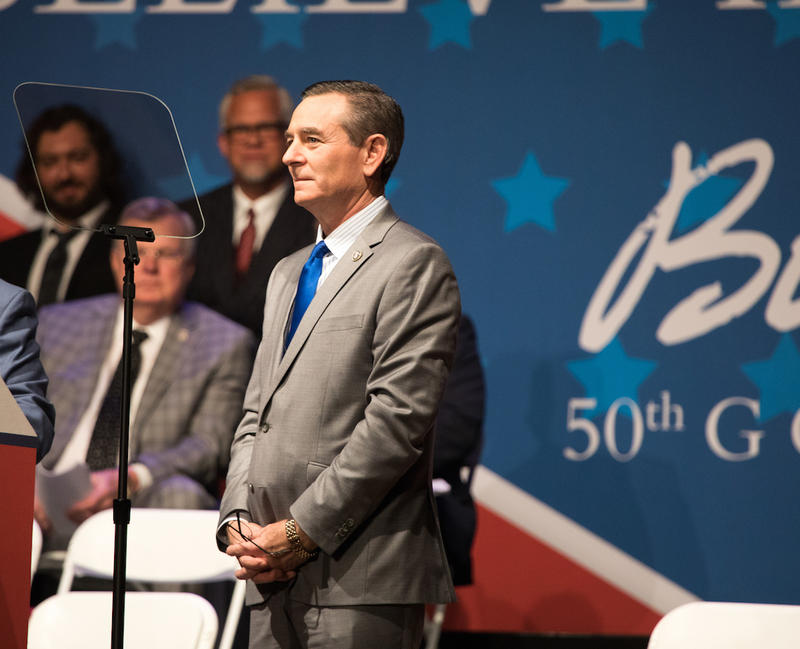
(82, 620)
(725, 625)
(433, 626)
(164, 546)
(36, 546)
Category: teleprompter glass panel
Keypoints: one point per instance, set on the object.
(94, 151)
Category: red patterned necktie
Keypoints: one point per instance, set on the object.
(244, 251)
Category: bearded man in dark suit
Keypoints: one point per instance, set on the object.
(253, 222)
(78, 169)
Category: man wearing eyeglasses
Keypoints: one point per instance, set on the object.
(252, 222)
(189, 366)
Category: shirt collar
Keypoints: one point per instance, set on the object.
(340, 240)
(272, 199)
(156, 331)
(87, 221)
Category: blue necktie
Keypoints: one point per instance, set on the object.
(307, 286)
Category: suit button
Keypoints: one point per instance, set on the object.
(348, 524)
(264, 427)
(251, 487)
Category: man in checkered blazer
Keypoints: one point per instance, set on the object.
(187, 399)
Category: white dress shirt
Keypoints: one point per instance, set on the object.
(266, 209)
(76, 449)
(75, 248)
(340, 240)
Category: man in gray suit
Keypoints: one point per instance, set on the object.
(193, 369)
(331, 463)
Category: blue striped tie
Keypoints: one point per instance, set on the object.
(307, 286)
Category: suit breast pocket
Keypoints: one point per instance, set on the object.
(340, 323)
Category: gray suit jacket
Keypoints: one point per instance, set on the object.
(193, 396)
(337, 432)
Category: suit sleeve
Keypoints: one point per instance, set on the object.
(235, 497)
(21, 369)
(412, 349)
(205, 447)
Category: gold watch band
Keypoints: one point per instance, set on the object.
(296, 543)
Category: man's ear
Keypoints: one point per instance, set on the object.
(223, 145)
(375, 149)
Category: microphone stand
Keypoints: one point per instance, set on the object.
(122, 504)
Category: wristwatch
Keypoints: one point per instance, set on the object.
(297, 545)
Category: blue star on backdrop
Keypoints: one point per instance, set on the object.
(282, 28)
(706, 199)
(530, 196)
(449, 21)
(787, 23)
(116, 28)
(611, 374)
(777, 379)
(178, 187)
(625, 26)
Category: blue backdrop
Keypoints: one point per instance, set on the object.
(543, 138)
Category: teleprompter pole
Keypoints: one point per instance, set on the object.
(122, 504)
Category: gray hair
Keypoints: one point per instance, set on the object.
(371, 111)
(249, 84)
(150, 209)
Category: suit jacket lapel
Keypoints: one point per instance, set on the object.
(222, 229)
(285, 287)
(168, 362)
(347, 266)
(84, 356)
(273, 248)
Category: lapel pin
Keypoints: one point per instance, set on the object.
(357, 255)
(183, 335)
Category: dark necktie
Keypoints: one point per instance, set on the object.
(104, 447)
(244, 251)
(54, 268)
(307, 286)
